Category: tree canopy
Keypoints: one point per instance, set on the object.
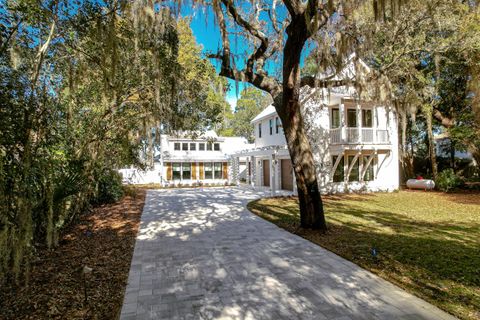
(251, 102)
(84, 87)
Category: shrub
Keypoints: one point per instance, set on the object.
(447, 180)
(110, 187)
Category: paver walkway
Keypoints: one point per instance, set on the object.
(200, 254)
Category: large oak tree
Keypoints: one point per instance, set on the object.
(279, 31)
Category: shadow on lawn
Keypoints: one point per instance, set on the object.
(437, 260)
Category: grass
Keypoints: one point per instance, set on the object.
(428, 243)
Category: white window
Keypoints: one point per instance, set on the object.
(218, 170)
(186, 170)
(335, 119)
(208, 170)
(367, 120)
(352, 118)
(176, 169)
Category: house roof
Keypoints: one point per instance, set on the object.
(267, 112)
(347, 73)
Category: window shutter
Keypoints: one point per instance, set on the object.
(194, 171)
(202, 173)
(225, 170)
(169, 171)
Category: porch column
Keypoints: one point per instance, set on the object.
(253, 172)
(236, 171)
(374, 123)
(359, 122)
(273, 172)
(341, 111)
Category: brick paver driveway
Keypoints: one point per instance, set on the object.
(200, 254)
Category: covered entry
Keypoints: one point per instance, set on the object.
(287, 174)
(266, 173)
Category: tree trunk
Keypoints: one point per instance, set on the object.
(431, 144)
(288, 109)
(311, 206)
(405, 156)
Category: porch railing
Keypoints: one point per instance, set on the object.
(359, 135)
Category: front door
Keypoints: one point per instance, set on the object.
(266, 173)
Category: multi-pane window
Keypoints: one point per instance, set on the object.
(201, 146)
(207, 167)
(260, 130)
(176, 146)
(185, 146)
(352, 118)
(369, 173)
(218, 170)
(209, 146)
(277, 124)
(216, 146)
(193, 146)
(270, 123)
(339, 174)
(186, 170)
(335, 118)
(354, 174)
(176, 169)
(367, 119)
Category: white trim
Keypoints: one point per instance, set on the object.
(334, 169)
(350, 167)
(365, 167)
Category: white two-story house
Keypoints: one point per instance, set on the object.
(186, 159)
(354, 143)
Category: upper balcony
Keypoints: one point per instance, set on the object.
(355, 135)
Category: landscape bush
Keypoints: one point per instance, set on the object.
(448, 180)
(109, 187)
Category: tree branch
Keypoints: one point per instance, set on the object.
(445, 121)
(294, 7)
(314, 82)
(257, 77)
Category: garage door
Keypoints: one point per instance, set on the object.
(266, 173)
(287, 174)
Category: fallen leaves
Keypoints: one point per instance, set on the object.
(103, 240)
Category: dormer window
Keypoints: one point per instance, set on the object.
(193, 146)
(201, 146)
(185, 146)
(176, 146)
(260, 130)
(216, 146)
(209, 146)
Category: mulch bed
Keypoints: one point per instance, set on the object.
(103, 240)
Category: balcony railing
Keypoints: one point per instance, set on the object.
(359, 135)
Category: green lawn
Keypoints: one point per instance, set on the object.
(428, 242)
